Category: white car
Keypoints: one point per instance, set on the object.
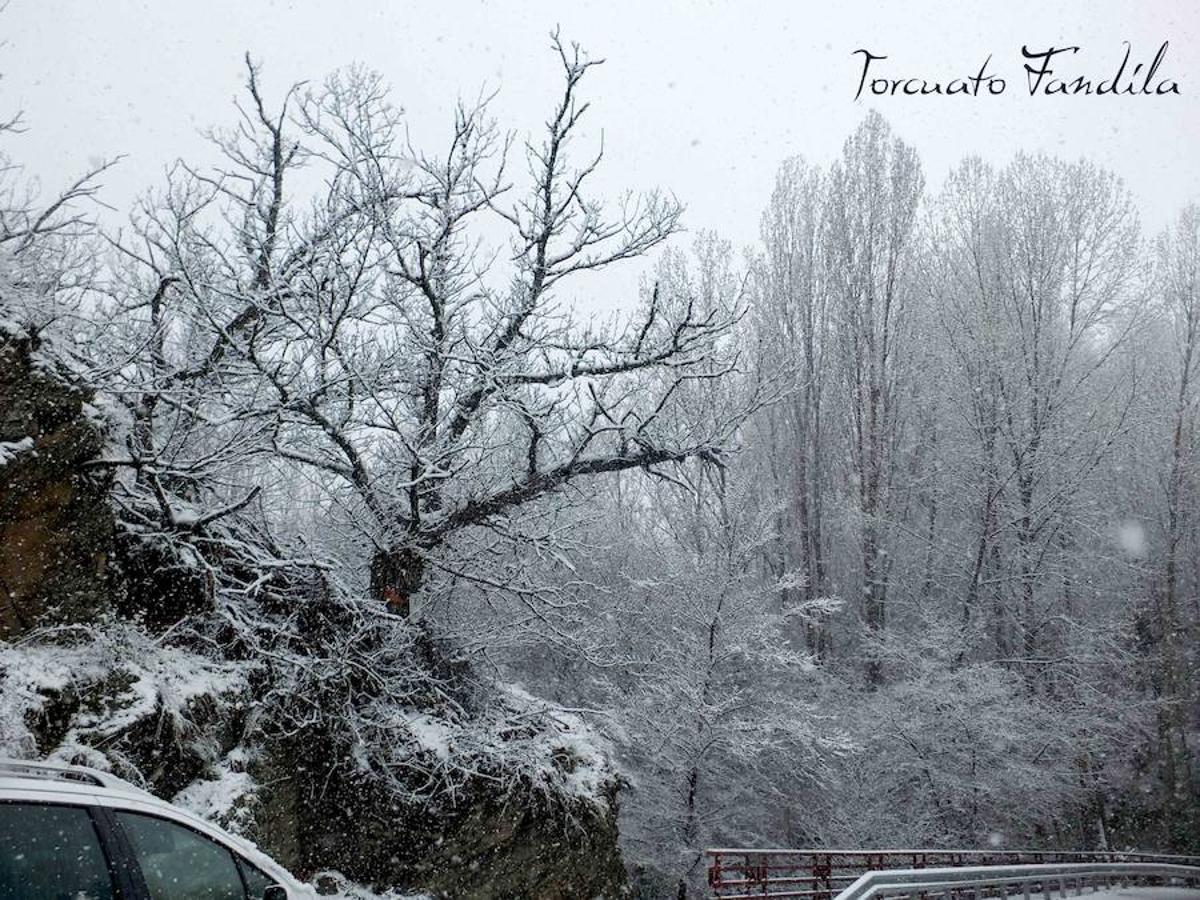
(73, 833)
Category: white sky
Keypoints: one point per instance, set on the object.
(704, 99)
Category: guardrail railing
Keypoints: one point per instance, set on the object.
(1046, 881)
(822, 874)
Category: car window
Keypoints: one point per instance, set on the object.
(257, 881)
(51, 852)
(178, 863)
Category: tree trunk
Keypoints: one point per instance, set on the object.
(396, 574)
(1172, 722)
(874, 602)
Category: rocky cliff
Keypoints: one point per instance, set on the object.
(55, 524)
(418, 776)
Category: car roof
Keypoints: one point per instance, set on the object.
(17, 774)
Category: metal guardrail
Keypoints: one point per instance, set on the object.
(1047, 881)
(822, 874)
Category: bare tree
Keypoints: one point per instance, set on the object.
(874, 192)
(715, 708)
(792, 326)
(380, 342)
(1179, 281)
(1036, 268)
(46, 246)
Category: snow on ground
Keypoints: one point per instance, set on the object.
(9, 450)
(222, 799)
(588, 768)
(358, 892)
(347, 890)
(430, 733)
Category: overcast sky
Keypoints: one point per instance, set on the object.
(704, 99)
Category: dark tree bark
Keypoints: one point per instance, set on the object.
(396, 575)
